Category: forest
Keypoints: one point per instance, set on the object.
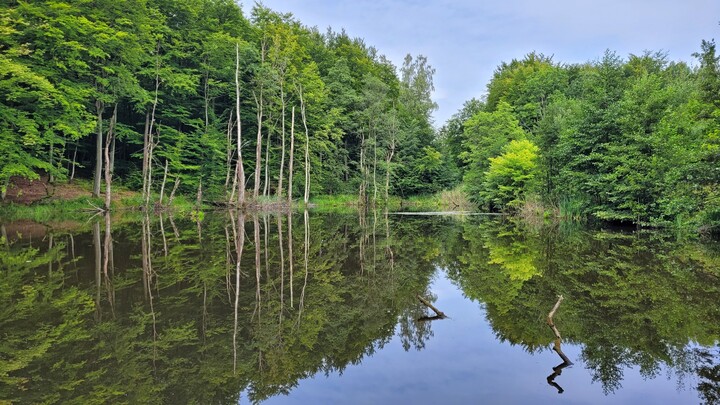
(195, 98)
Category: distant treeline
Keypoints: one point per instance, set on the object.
(633, 140)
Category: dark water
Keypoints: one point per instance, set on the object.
(324, 308)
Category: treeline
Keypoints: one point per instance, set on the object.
(632, 140)
(189, 96)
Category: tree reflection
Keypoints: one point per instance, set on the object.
(634, 299)
(162, 322)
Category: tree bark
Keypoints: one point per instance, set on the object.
(99, 107)
(74, 163)
(282, 149)
(307, 150)
(228, 152)
(148, 141)
(258, 144)
(240, 170)
(292, 156)
(388, 160)
(172, 193)
(108, 171)
(162, 186)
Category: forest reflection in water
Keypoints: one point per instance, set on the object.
(207, 309)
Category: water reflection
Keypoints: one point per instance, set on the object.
(210, 307)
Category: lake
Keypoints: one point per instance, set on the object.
(321, 308)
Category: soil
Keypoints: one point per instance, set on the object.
(27, 192)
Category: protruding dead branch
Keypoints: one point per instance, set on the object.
(557, 370)
(440, 314)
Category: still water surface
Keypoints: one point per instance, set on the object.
(324, 308)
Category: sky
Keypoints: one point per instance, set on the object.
(465, 40)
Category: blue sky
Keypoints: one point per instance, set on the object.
(465, 40)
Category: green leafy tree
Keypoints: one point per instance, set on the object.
(512, 176)
(486, 134)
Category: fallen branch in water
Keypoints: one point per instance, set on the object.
(425, 302)
(558, 338)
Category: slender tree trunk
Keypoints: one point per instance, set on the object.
(99, 107)
(258, 144)
(363, 179)
(307, 149)
(112, 154)
(149, 142)
(292, 156)
(228, 152)
(172, 193)
(74, 163)
(375, 189)
(162, 187)
(282, 150)
(240, 171)
(108, 172)
(266, 184)
(388, 160)
(146, 155)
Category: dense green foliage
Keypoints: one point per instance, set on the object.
(632, 140)
(159, 76)
(152, 89)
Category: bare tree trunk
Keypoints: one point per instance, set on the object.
(240, 171)
(282, 150)
(363, 180)
(74, 163)
(108, 172)
(375, 189)
(149, 142)
(307, 149)
(259, 103)
(292, 156)
(146, 155)
(99, 107)
(162, 187)
(258, 144)
(228, 152)
(388, 160)
(172, 194)
(266, 184)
